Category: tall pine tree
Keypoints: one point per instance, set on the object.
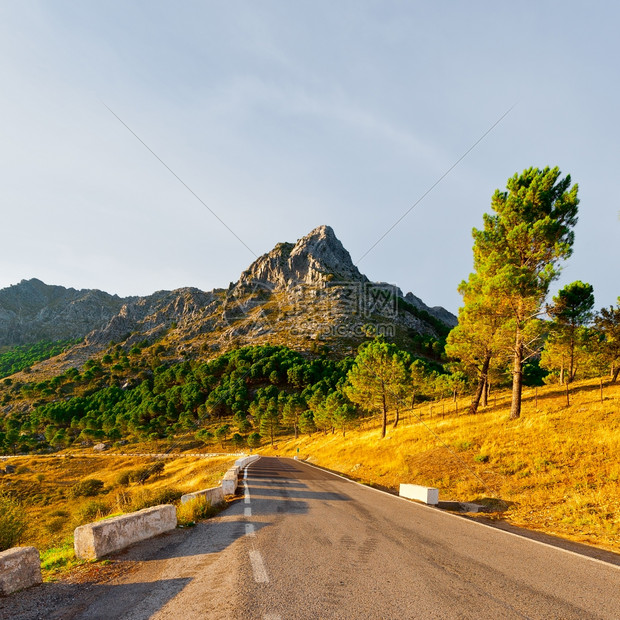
(519, 250)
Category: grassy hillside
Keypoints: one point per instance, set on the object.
(556, 469)
(55, 500)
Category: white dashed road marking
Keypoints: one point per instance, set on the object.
(258, 567)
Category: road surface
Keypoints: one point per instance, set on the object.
(304, 544)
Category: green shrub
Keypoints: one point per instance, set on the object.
(92, 510)
(56, 525)
(481, 458)
(142, 474)
(86, 488)
(124, 478)
(12, 522)
(237, 440)
(254, 440)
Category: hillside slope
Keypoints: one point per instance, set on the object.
(555, 470)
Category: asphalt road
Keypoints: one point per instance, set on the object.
(304, 544)
(329, 548)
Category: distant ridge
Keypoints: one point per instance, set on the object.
(32, 311)
(296, 294)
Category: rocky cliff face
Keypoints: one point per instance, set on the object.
(149, 317)
(295, 294)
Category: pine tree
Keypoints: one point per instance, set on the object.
(294, 406)
(479, 337)
(270, 419)
(520, 248)
(377, 378)
(607, 322)
(571, 311)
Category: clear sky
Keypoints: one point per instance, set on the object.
(284, 115)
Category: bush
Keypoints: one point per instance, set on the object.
(55, 525)
(124, 478)
(92, 510)
(254, 440)
(86, 488)
(12, 522)
(194, 510)
(148, 498)
(237, 440)
(142, 474)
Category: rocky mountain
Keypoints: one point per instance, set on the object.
(32, 311)
(305, 294)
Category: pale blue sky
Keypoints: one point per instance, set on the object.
(284, 115)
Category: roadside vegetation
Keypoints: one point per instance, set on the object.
(46, 497)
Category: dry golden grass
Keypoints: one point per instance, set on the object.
(43, 485)
(557, 467)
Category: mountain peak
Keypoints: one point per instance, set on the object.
(312, 260)
(323, 232)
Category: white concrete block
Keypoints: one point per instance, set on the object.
(20, 567)
(246, 460)
(230, 481)
(428, 495)
(214, 495)
(96, 540)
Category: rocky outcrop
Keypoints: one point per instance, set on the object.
(315, 259)
(148, 317)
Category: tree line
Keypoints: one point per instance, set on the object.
(21, 357)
